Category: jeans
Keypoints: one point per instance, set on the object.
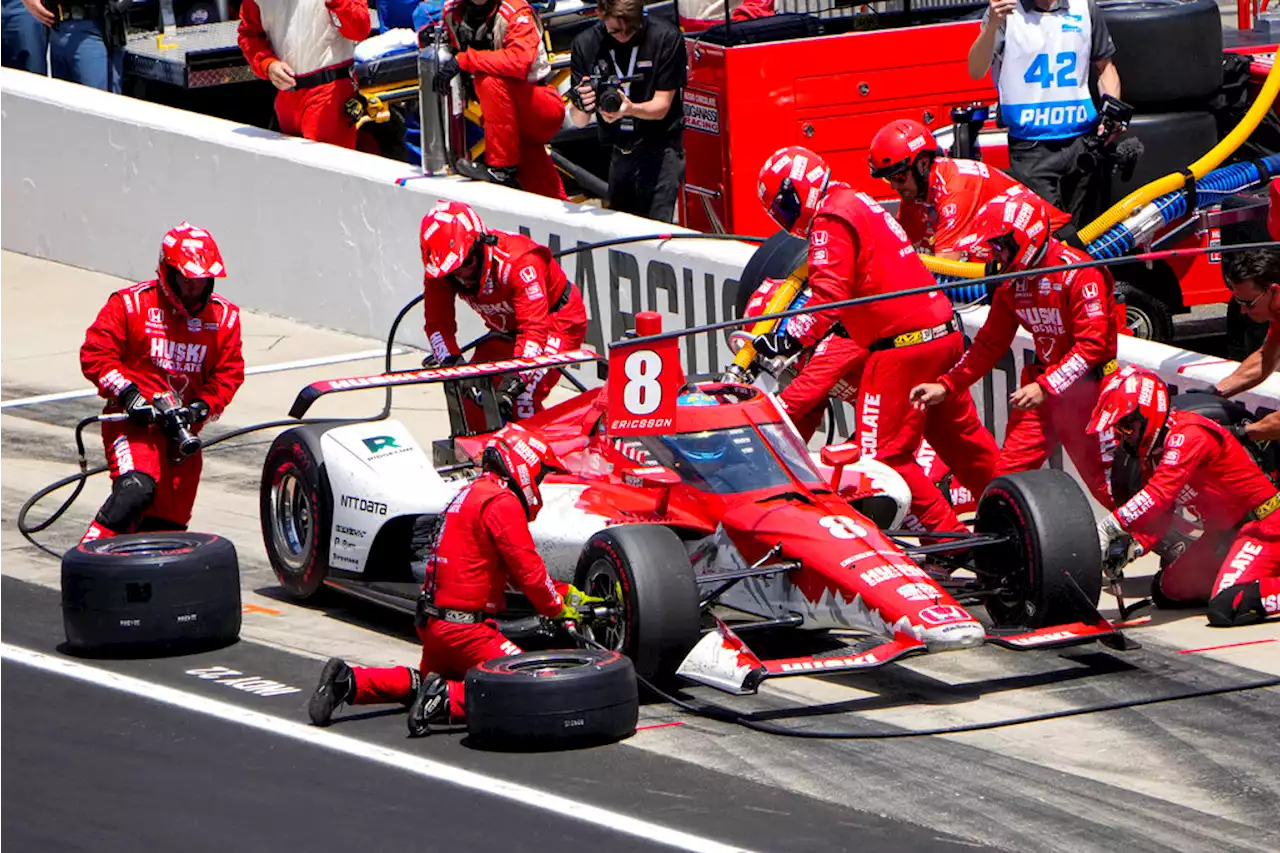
(646, 180)
(78, 53)
(26, 41)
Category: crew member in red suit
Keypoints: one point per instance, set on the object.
(515, 286)
(940, 196)
(1072, 319)
(481, 544)
(171, 335)
(306, 49)
(499, 44)
(1192, 463)
(856, 248)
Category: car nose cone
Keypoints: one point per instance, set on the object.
(958, 635)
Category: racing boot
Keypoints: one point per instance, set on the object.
(430, 705)
(336, 688)
(97, 530)
(504, 175)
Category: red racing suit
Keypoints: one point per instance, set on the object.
(317, 39)
(1205, 470)
(857, 249)
(507, 60)
(957, 190)
(483, 543)
(139, 338)
(1071, 316)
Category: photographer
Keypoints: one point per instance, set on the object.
(86, 40)
(1040, 54)
(628, 71)
(167, 354)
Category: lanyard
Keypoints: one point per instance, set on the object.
(631, 67)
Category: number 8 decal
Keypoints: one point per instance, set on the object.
(643, 392)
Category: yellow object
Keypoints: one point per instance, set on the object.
(960, 269)
(782, 299)
(161, 44)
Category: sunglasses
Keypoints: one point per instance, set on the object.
(1247, 305)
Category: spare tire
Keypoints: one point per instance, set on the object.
(778, 257)
(1166, 50)
(151, 589)
(1170, 143)
(552, 699)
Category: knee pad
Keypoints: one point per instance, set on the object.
(1237, 605)
(131, 495)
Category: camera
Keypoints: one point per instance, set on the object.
(175, 421)
(607, 86)
(1113, 120)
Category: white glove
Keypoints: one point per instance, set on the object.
(1108, 531)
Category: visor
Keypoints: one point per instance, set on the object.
(786, 206)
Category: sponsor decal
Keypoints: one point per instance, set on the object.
(1135, 507)
(1240, 563)
(234, 678)
(380, 446)
(349, 531)
(869, 434)
(942, 614)
(918, 592)
(363, 505)
(701, 112)
(1040, 320)
(1090, 290)
(176, 357)
(819, 237)
(879, 574)
(1175, 440)
(1041, 639)
(193, 324)
(642, 423)
(1170, 457)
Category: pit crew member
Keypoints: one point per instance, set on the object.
(515, 286)
(1072, 318)
(305, 48)
(1254, 279)
(1041, 54)
(940, 195)
(173, 334)
(856, 248)
(1192, 463)
(500, 48)
(480, 543)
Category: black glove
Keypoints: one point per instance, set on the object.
(430, 362)
(444, 76)
(136, 406)
(1212, 390)
(777, 344)
(1238, 430)
(508, 392)
(200, 411)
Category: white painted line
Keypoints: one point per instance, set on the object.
(252, 371)
(560, 807)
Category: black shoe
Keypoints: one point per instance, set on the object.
(504, 175)
(337, 686)
(431, 704)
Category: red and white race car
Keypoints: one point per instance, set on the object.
(699, 515)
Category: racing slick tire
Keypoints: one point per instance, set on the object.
(644, 572)
(552, 699)
(1166, 50)
(1229, 413)
(1170, 142)
(296, 511)
(778, 257)
(147, 590)
(1050, 534)
(1145, 315)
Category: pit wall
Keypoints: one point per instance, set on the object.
(330, 237)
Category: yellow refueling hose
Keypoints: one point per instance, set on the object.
(780, 301)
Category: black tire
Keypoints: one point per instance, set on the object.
(1229, 413)
(146, 590)
(1167, 51)
(296, 511)
(643, 571)
(778, 257)
(199, 13)
(1170, 143)
(1244, 336)
(1146, 316)
(552, 699)
(1051, 534)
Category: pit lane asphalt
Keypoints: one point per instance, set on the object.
(87, 767)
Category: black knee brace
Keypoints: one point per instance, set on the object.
(1237, 605)
(131, 494)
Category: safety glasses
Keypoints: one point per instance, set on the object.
(1247, 305)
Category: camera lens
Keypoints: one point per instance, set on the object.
(610, 100)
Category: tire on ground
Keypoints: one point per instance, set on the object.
(145, 590)
(1052, 535)
(1166, 50)
(1145, 314)
(644, 570)
(778, 257)
(552, 699)
(296, 510)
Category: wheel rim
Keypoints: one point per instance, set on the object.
(1139, 323)
(146, 548)
(548, 668)
(612, 633)
(292, 516)
(1009, 571)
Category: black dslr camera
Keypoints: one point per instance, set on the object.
(607, 86)
(1113, 120)
(175, 422)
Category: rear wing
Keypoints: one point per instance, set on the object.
(307, 396)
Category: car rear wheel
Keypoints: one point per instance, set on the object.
(644, 574)
(296, 510)
(1145, 315)
(1051, 540)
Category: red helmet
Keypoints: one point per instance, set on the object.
(792, 183)
(1135, 404)
(898, 145)
(522, 459)
(449, 234)
(1016, 222)
(189, 262)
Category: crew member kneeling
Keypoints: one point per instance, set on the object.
(481, 542)
(1190, 462)
(171, 336)
(515, 286)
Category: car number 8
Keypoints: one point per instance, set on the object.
(643, 392)
(843, 527)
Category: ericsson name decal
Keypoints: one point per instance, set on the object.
(363, 505)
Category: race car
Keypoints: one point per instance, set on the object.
(694, 527)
